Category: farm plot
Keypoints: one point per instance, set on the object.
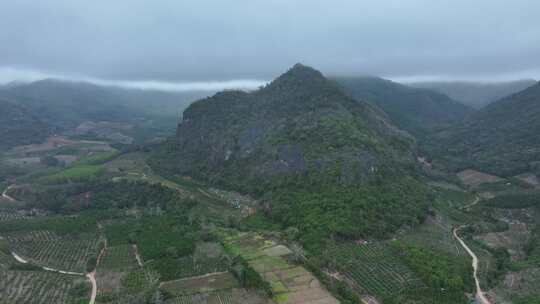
(233, 296)
(119, 257)
(119, 276)
(289, 283)
(372, 268)
(188, 266)
(45, 248)
(39, 287)
(200, 284)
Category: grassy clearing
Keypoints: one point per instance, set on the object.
(97, 158)
(82, 173)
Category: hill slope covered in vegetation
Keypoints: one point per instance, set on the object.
(18, 126)
(501, 138)
(320, 160)
(418, 111)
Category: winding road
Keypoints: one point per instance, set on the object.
(480, 297)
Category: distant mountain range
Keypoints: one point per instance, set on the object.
(502, 138)
(418, 111)
(299, 142)
(476, 94)
(66, 104)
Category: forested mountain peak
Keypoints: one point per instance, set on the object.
(300, 139)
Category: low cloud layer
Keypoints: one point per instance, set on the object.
(8, 75)
(167, 42)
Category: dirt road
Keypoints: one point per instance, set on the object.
(24, 261)
(6, 196)
(480, 297)
(92, 277)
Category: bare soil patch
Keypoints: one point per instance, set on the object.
(475, 178)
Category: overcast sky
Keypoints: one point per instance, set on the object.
(245, 42)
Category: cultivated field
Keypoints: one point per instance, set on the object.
(372, 268)
(8, 215)
(232, 296)
(39, 287)
(45, 248)
(200, 284)
(120, 257)
(290, 283)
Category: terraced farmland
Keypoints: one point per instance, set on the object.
(232, 296)
(290, 283)
(372, 269)
(68, 253)
(35, 287)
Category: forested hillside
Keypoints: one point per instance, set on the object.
(19, 126)
(66, 104)
(476, 94)
(418, 111)
(501, 138)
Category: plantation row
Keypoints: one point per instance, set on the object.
(37, 287)
(33, 236)
(7, 215)
(373, 268)
(47, 249)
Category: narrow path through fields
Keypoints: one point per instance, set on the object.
(479, 293)
(476, 200)
(137, 255)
